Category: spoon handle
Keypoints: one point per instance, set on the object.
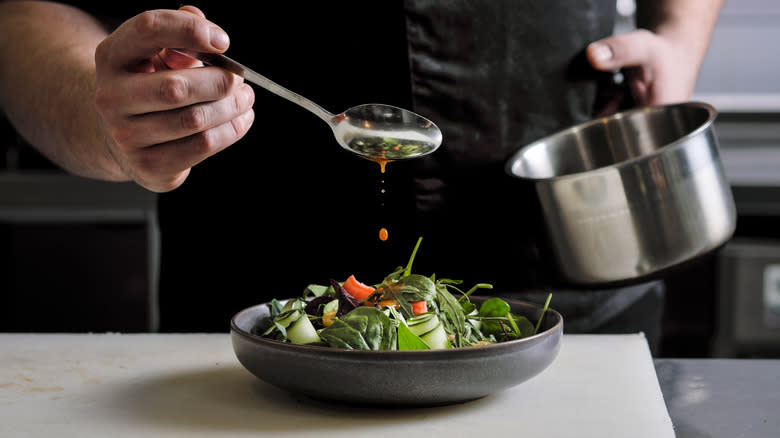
(220, 60)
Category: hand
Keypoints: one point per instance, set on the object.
(656, 70)
(160, 116)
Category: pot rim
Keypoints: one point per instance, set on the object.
(712, 114)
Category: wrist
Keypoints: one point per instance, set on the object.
(686, 25)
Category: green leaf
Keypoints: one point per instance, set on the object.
(474, 288)
(281, 329)
(499, 322)
(448, 281)
(392, 277)
(494, 307)
(275, 307)
(342, 335)
(524, 325)
(316, 290)
(454, 319)
(408, 340)
(294, 304)
(364, 328)
(468, 307)
(544, 310)
(413, 287)
(416, 287)
(408, 269)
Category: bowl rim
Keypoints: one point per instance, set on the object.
(557, 328)
(712, 114)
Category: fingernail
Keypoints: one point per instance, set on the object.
(219, 39)
(249, 93)
(601, 52)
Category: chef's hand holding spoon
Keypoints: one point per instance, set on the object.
(161, 117)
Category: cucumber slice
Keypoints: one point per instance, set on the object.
(429, 328)
(302, 331)
(290, 318)
(423, 323)
(436, 338)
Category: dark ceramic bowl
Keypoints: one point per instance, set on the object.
(430, 377)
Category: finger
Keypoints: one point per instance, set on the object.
(167, 90)
(193, 10)
(147, 33)
(639, 82)
(174, 59)
(626, 50)
(163, 167)
(166, 126)
(609, 106)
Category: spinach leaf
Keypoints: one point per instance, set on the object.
(364, 328)
(498, 321)
(524, 325)
(416, 287)
(408, 340)
(342, 335)
(316, 290)
(494, 307)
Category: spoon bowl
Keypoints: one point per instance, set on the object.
(374, 131)
(384, 132)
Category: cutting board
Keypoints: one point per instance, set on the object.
(154, 385)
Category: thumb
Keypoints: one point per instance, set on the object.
(626, 50)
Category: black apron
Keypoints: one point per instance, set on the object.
(498, 75)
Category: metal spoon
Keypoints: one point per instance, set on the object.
(374, 131)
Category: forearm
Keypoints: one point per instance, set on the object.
(47, 77)
(689, 22)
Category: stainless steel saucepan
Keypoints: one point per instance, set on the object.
(630, 195)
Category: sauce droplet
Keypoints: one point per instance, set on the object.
(382, 164)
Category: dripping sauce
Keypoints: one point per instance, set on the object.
(383, 234)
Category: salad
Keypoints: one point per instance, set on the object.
(405, 311)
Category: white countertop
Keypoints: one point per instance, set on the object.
(159, 385)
